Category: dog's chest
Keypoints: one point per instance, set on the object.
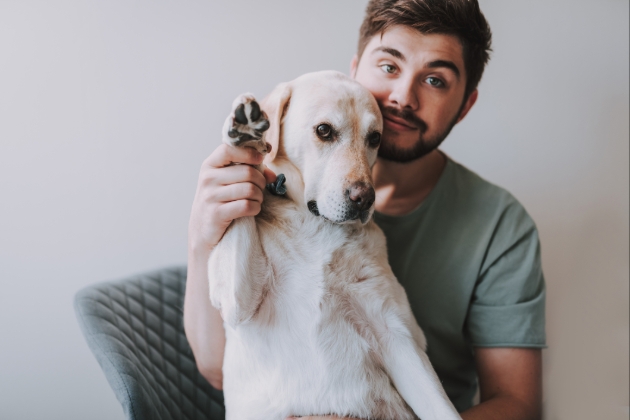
(299, 257)
(316, 268)
(311, 335)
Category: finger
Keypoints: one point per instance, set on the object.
(236, 174)
(225, 155)
(270, 176)
(236, 209)
(240, 191)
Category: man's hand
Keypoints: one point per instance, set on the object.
(225, 192)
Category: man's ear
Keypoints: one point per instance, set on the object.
(354, 63)
(275, 105)
(469, 103)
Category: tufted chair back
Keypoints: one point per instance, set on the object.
(135, 329)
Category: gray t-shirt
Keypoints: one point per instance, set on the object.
(469, 259)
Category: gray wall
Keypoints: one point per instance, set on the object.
(108, 108)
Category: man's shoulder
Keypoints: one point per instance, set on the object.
(469, 185)
(470, 194)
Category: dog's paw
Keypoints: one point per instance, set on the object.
(246, 123)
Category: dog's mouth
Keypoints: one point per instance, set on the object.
(349, 215)
(312, 207)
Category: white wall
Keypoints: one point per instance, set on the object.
(108, 108)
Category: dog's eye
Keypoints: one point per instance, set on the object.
(374, 139)
(324, 131)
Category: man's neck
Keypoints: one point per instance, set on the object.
(402, 187)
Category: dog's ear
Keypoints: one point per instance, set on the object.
(275, 105)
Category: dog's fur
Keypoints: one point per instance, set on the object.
(316, 323)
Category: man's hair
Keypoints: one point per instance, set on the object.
(461, 18)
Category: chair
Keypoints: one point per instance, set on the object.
(135, 329)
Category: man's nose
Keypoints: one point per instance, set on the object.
(404, 94)
(361, 196)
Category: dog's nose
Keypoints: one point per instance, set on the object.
(361, 196)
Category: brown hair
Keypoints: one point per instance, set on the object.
(461, 18)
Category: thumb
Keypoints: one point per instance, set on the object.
(270, 175)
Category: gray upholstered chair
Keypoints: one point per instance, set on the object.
(135, 329)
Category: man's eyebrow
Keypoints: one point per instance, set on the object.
(444, 63)
(431, 65)
(391, 51)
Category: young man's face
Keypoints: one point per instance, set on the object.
(419, 82)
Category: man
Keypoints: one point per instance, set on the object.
(465, 250)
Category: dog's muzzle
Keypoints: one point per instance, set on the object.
(361, 196)
(359, 201)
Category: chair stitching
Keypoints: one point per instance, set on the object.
(178, 350)
(132, 339)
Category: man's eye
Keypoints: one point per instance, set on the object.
(388, 68)
(434, 81)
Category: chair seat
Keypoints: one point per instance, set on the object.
(135, 329)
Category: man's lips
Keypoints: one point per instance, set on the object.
(398, 123)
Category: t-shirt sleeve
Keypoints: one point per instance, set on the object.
(508, 302)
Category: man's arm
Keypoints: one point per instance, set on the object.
(510, 384)
(202, 321)
(224, 192)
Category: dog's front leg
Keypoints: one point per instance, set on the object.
(238, 272)
(238, 269)
(410, 370)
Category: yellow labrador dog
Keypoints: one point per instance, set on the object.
(316, 323)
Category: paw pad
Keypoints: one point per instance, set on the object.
(248, 121)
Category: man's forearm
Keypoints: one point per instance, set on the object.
(510, 384)
(202, 322)
(502, 408)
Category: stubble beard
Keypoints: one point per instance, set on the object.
(422, 147)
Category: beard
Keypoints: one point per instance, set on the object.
(422, 147)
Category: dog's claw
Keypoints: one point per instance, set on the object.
(278, 187)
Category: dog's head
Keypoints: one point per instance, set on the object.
(325, 130)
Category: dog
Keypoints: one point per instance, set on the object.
(315, 321)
